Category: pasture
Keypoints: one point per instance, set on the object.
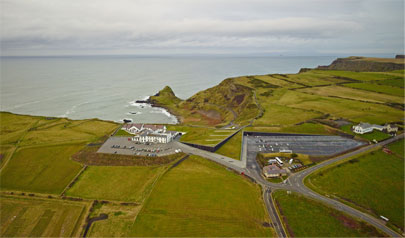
(115, 182)
(397, 147)
(373, 87)
(354, 94)
(360, 76)
(353, 110)
(373, 181)
(304, 217)
(45, 169)
(201, 198)
(44, 146)
(23, 217)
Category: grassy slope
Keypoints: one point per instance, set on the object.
(374, 181)
(307, 218)
(200, 198)
(115, 183)
(23, 217)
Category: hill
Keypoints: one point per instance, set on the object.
(285, 100)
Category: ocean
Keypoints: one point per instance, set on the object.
(106, 87)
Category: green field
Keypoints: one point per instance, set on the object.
(397, 147)
(304, 217)
(353, 110)
(373, 181)
(232, 148)
(23, 217)
(355, 94)
(42, 161)
(115, 183)
(361, 76)
(41, 169)
(378, 88)
(122, 133)
(201, 198)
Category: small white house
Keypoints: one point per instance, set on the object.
(363, 128)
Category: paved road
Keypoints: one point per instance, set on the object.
(249, 166)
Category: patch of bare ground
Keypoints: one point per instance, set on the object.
(89, 156)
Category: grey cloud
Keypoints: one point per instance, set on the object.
(308, 26)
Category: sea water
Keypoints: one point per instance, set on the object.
(106, 87)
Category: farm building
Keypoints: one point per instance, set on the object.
(390, 128)
(363, 128)
(273, 171)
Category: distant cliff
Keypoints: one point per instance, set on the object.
(364, 64)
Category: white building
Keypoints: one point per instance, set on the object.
(363, 128)
(149, 133)
(155, 137)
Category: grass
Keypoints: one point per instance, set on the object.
(62, 130)
(44, 146)
(377, 88)
(341, 108)
(5, 152)
(115, 183)
(202, 135)
(23, 217)
(305, 217)
(397, 147)
(45, 169)
(119, 222)
(354, 94)
(392, 82)
(201, 198)
(361, 76)
(373, 181)
(304, 128)
(282, 115)
(123, 133)
(375, 135)
(232, 148)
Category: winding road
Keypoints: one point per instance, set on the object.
(248, 165)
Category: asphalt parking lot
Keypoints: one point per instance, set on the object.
(310, 145)
(121, 145)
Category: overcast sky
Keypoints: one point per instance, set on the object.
(143, 27)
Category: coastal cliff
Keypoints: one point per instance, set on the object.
(364, 64)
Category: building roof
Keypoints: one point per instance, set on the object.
(130, 125)
(364, 126)
(273, 169)
(153, 127)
